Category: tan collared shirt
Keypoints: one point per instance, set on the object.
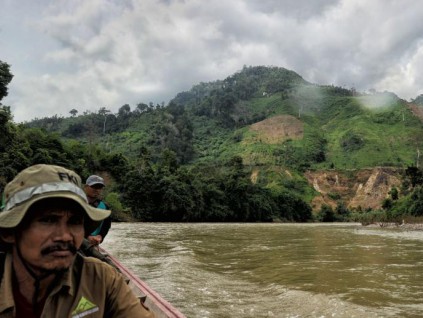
(90, 289)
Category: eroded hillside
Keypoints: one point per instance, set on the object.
(416, 109)
(365, 188)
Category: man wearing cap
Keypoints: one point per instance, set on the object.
(94, 187)
(42, 223)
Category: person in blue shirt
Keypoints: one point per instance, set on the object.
(94, 187)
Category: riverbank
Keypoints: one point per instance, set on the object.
(404, 226)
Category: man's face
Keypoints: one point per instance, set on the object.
(51, 237)
(94, 192)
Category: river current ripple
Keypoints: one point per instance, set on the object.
(276, 270)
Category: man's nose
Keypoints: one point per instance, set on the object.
(63, 232)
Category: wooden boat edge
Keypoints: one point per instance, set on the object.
(159, 306)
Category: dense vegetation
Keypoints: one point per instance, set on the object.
(153, 186)
(154, 191)
(197, 159)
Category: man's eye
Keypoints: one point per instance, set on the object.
(48, 219)
(76, 221)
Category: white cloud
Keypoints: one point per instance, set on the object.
(108, 53)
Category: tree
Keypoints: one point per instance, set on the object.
(326, 214)
(124, 111)
(237, 165)
(139, 192)
(5, 78)
(73, 112)
(141, 107)
(416, 207)
(387, 203)
(394, 193)
(341, 211)
(123, 117)
(414, 175)
(168, 161)
(117, 164)
(103, 111)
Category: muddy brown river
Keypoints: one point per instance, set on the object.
(276, 270)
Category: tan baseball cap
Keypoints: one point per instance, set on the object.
(40, 182)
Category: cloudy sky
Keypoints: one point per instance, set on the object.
(87, 54)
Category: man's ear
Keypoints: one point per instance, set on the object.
(8, 237)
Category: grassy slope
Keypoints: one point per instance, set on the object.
(389, 139)
(389, 135)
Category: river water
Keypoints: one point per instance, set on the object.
(276, 270)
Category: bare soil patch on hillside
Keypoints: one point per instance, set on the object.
(417, 110)
(365, 188)
(277, 129)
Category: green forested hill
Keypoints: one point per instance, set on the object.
(264, 126)
(212, 121)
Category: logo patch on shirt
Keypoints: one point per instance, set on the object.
(84, 308)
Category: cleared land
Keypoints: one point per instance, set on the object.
(276, 129)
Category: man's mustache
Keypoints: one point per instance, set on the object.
(59, 247)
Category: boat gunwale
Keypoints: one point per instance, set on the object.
(169, 310)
